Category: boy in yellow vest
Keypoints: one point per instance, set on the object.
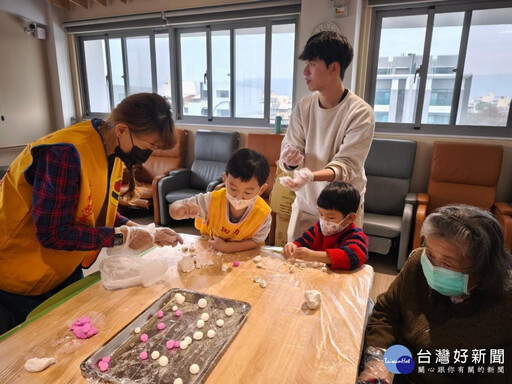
(235, 218)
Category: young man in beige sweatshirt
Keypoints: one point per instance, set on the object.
(330, 131)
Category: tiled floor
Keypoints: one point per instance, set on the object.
(383, 265)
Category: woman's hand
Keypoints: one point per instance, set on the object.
(375, 369)
(136, 237)
(166, 236)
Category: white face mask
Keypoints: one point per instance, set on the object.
(240, 204)
(330, 228)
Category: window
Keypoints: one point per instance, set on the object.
(444, 69)
(238, 73)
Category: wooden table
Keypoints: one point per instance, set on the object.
(281, 342)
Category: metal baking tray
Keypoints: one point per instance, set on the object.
(125, 347)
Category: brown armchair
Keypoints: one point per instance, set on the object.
(463, 173)
(159, 164)
(269, 145)
(503, 212)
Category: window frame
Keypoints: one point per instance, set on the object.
(417, 127)
(174, 32)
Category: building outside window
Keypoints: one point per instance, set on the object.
(448, 66)
(228, 73)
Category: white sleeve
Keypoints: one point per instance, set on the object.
(202, 200)
(264, 230)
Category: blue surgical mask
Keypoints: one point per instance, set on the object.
(444, 281)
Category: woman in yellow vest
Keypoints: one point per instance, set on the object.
(58, 202)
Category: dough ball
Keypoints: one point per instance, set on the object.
(313, 298)
(188, 340)
(211, 333)
(200, 323)
(205, 316)
(180, 299)
(163, 361)
(229, 311)
(194, 369)
(174, 308)
(155, 355)
(202, 303)
(220, 323)
(198, 335)
(136, 330)
(183, 344)
(178, 381)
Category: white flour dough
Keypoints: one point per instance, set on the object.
(313, 298)
(211, 333)
(194, 369)
(198, 335)
(229, 311)
(202, 303)
(200, 323)
(205, 316)
(37, 365)
(163, 361)
(186, 264)
(220, 323)
(155, 355)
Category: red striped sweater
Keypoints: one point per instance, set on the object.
(347, 250)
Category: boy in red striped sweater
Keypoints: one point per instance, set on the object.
(334, 239)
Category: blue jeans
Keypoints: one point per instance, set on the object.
(15, 308)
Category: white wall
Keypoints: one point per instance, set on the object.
(25, 91)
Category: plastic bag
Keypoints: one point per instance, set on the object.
(121, 272)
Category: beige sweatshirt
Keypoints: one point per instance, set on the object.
(338, 138)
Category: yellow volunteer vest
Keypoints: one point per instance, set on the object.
(26, 267)
(218, 223)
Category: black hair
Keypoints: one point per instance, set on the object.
(329, 47)
(339, 196)
(246, 163)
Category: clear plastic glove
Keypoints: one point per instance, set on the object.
(291, 156)
(374, 368)
(137, 237)
(166, 236)
(301, 177)
(183, 210)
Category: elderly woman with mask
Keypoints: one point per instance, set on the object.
(453, 297)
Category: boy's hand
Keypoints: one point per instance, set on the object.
(288, 250)
(217, 243)
(304, 253)
(183, 210)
